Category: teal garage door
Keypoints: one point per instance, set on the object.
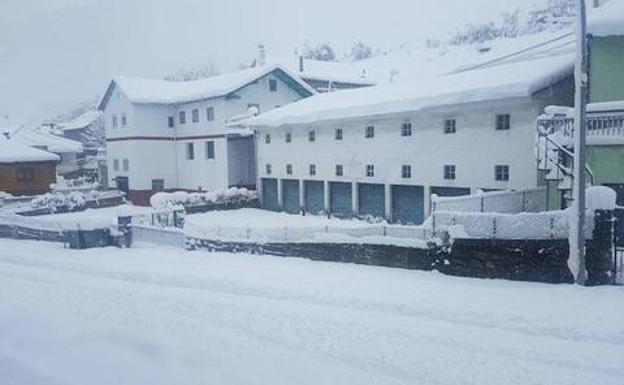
(408, 204)
(314, 197)
(450, 191)
(340, 199)
(269, 194)
(290, 191)
(372, 200)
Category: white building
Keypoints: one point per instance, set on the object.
(383, 150)
(172, 135)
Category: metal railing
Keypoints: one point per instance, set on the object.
(531, 200)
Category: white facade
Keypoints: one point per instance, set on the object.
(474, 149)
(143, 146)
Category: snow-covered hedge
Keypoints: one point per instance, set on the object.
(53, 201)
(164, 200)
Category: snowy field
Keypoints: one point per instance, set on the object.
(165, 316)
(92, 218)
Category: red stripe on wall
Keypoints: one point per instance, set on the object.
(166, 138)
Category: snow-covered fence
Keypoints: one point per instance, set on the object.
(544, 225)
(388, 233)
(195, 202)
(166, 218)
(510, 202)
(170, 237)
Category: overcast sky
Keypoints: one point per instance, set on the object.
(57, 53)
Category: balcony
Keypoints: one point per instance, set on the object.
(604, 120)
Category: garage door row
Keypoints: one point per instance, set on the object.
(407, 202)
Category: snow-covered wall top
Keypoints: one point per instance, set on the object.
(141, 90)
(607, 19)
(520, 79)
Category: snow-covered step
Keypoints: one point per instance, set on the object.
(554, 174)
(566, 183)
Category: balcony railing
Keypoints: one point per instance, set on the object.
(598, 124)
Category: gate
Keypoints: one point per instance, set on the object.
(314, 197)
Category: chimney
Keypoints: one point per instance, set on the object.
(261, 60)
(300, 63)
(596, 3)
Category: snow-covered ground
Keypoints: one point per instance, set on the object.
(162, 316)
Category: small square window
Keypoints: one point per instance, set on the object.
(406, 129)
(272, 85)
(339, 170)
(289, 169)
(195, 115)
(338, 134)
(116, 164)
(210, 114)
(406, 171)
(170, 121)
(126, 165)
(124, 120)
(503, 122)
(267, 138)
(158, 185)
(312, 169)
(370, 132)
(210, 150)
(267, 168)
(370, 170)
(311, 136)
(182, 117)
(449, 172)
(190, 151)
(450, 126)
(501, 173)
(288, 137)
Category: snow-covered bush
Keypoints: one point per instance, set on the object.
(53, 201)
(164, 200)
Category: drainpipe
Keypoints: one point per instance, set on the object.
(175, 151)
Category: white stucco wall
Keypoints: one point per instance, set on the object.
(474, 149)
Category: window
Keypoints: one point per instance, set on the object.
(406, 129)
(158, 185)
(182, 117)
(501, 173)
(210, 114)
(406, 171)
(255, 106)
(267, 168)
(312, 169)
(338, 134)
(272, 85)
(116, 164)
(124, 120)
(370, 132)
(125, 165)
(24, 174)
(339, 170)
(267, 138)
(503, 122)
(195, 115)
(289, 169)
(288, 137)
(114, 121)
(450, 126)
(210, 150)
(370, 170)
(170, 121)
(449, 171)
(190, 151)
(311, 136)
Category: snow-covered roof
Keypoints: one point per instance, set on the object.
(82, 121)
(519, 79)
(158, 91)
(12, 151)
(607, 19)
(340, 72)
(38, 138)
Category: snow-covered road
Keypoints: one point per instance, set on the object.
(164, 316)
